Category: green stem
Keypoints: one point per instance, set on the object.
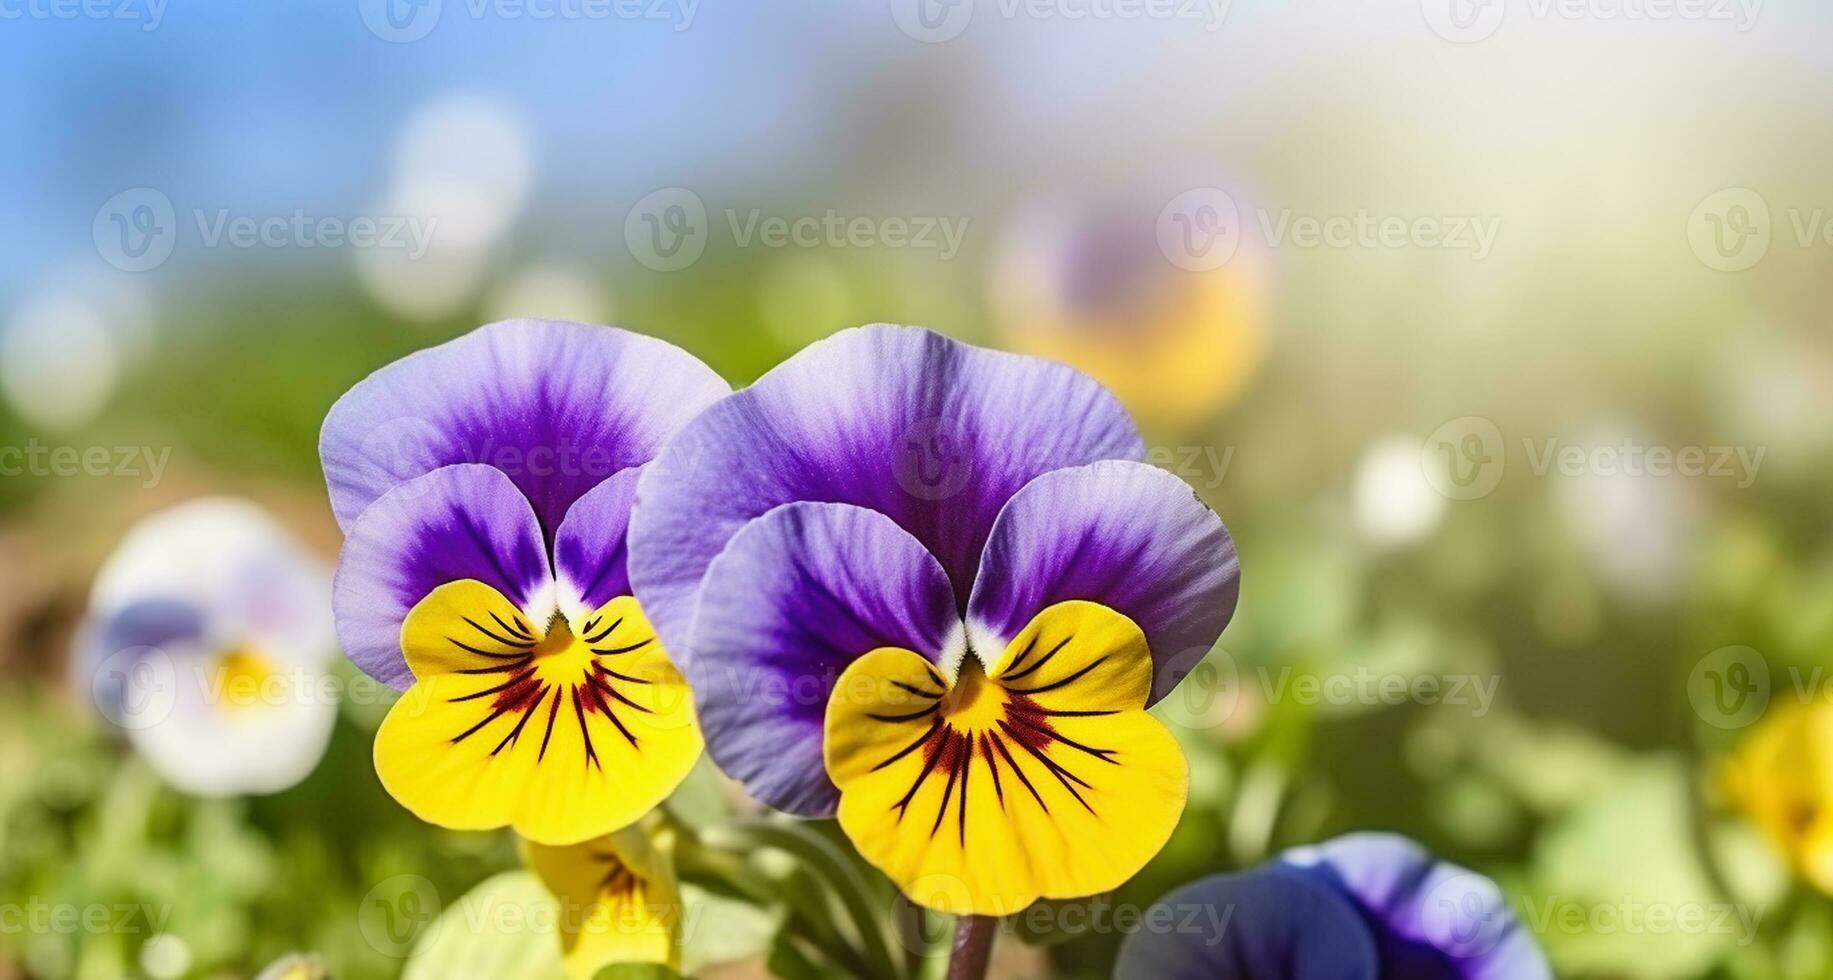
(973, 947)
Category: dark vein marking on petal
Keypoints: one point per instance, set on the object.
(486, 653)
(1102, 754)
(486, 692)
(1041, 661)
(524, 644)
(579, 711)
(614, 651)
(515, 734)
(1000, 744)
(517, 664)
(919, 692)
(954, 773)
(492, 716)
(928, 767)
(986, 748)
(912, 747)
(601, 668)
(600, 638)
(1063, 775)
(553, 710)
(604, 686)
(967, 772)
(512, 630)
(914, 715)
(1065, 682)
(1022, 654)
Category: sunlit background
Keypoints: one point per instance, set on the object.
(1497, 332)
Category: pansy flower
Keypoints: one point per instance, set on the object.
(1150, 300)
(1364, 906)
(209, 631)
(484, 487)
(1782, 778)
(929, 587)
(619, 899)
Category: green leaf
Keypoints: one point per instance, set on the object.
(788, 961)
(503, 928)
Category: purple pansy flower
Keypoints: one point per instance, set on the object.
(891, 514)
(1365, 906)
(484, 487)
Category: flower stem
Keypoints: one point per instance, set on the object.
(973, 947)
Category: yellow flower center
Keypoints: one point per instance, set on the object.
(976, 703)
(241, 675)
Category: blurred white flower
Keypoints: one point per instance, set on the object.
(59, 361)
(165, 957)
(461, 172)
(1394, 502)
(550, 291)
(295, 966)
(1637, 528)
(208, 633)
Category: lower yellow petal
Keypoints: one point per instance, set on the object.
(619, 900)
(1045, 778)
(565, 732)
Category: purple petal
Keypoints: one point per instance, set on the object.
(1432, 919)
(1253, 926)
(134, 631)
(1127, 535)
(458, 522)
(798, 595)
(930, 431)
(558, 406)
(590, 548)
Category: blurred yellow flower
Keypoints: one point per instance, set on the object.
(1093, 288)
(1782, 777)
(619, 899)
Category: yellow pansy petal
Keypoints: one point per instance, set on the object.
(1045, 779)
(620, 902)
(563, 731)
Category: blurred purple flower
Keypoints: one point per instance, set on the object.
(1365, 906)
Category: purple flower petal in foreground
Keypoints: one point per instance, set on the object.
(1415, 918)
